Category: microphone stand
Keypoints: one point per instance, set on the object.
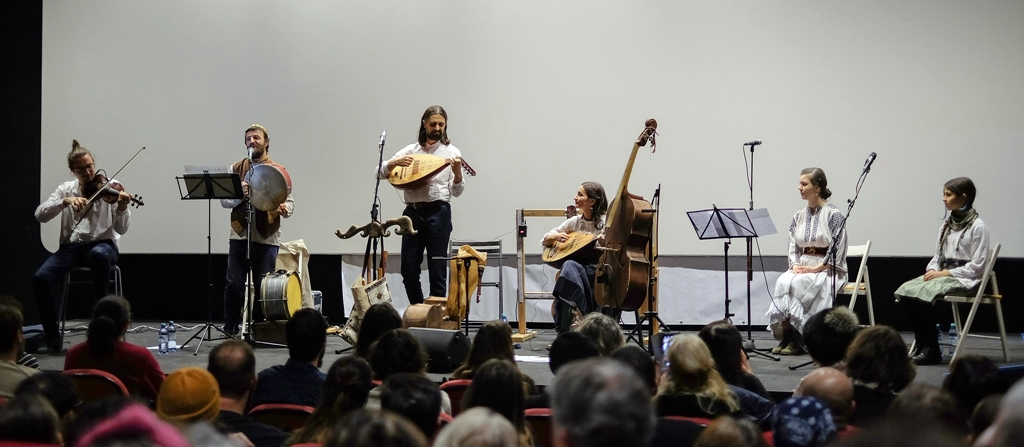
(748, 344)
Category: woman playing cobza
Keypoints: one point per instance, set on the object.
(573, 290)
(806, 288)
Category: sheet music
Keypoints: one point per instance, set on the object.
(204, 169)
(762, 222)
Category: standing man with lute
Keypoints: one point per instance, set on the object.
(430, 173)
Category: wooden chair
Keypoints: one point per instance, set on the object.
(455, 389)
(988, 281)
(862, 284)
(540, 424)
(69, 280)
(287, 417)
(94, 384)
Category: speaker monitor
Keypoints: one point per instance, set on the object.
(446, 349)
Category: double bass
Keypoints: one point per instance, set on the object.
(623, 272)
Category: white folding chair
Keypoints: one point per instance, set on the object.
(861, 285)
(988, 280)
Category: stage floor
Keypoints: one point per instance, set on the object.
(776, 376)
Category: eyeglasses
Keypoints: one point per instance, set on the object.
(84, 169)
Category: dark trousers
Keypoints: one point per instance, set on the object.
(924, 316)
(433, 224)
(99, 256)
(264, 258)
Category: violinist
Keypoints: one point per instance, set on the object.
(89, 232)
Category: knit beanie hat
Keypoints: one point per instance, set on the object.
(134, 421)
(188, 395)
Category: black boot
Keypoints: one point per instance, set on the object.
(930, 354)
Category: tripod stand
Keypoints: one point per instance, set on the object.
(207, 186)
(654, 323)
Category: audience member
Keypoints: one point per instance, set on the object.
(377, 320)
(641, 362)
(189, 395)
(375, 428)
(478, 427)
(57, 389)
(879, 365)
(972, 377)
(983, 415)
(414, 396)
(132, 424)
(29, 418)
(923, 403)
(494, 387)
(828, 334)
(492, 341)
(600, 402)
(727, 431)
(726, 345)
(1007, 430)
(299, 381)
(25, 359)
(233, 364)
(91, 413)
(12, 344)
(802, 421)
(346, 388)
(691, 386)
(567, 347)
(105, 349)
(835, 389)
(900, 433)
(603, 331)
(398, 351)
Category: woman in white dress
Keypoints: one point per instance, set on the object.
(956, 268)
(807, 287)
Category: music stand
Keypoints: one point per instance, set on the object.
(212, 183)
(727, 223)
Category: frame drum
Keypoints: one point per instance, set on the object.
(280, 295)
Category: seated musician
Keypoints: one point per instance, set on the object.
(574, 296)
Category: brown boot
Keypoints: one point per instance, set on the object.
(787, 337)
(796, 346)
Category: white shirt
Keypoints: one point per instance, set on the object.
(440, 186)
(102, 220)
(970, 244)
(572, 225)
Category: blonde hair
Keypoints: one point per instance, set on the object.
(691, 370)
(478, 427)
(603, 331)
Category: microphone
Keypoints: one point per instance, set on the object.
(250, 154)
(383, 134)
(752, 143)
(867, 163)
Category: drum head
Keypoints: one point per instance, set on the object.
(294, 294)
(267, 187)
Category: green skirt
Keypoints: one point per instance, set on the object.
(928, 291)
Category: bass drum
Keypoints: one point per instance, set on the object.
(280, 295)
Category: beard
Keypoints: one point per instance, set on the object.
(436, 135)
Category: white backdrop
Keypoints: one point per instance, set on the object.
(541, 96)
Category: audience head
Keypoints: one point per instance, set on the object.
(133, 424)
(478, 427)
(346, 388)
(1008, 428)
(11, 338)
(189, 395)
(984, 414)
(727, 431)
(377, 320)
(641, 362)
(878, 357)
(922, 403)
(600, 402)
(725, 343)
(375, 428)
(397, 351)
(603, 331)
(828, 334)
(691, 370)
(971, 378)
(307, 336)
(802, 421)
(233, 365)
(569, 346)
(56, 388)
(110, 319)
(414, 396)
(498, 386)
(832, 387)
(91, 413)
(30, 418)
(891, 432)
(492, 341)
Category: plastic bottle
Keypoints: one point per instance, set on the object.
(163, 338)
(938, 331)
(172, 342)
(504, 318)
(952, 339)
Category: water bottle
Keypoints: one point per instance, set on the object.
(504, 319)
(172, 342)
(163, 338)
(952, 339)
(938, 332)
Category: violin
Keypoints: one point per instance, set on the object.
(108, 190)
